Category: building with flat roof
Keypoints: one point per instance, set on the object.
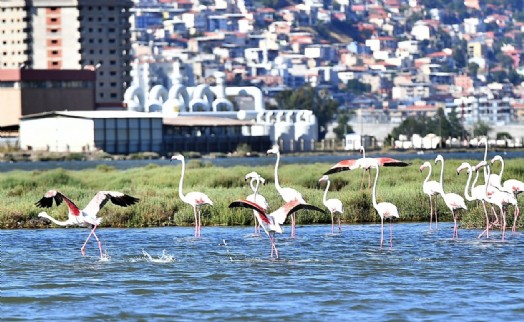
(70, 34)
(30, 91)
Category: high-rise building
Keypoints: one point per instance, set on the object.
(70, 34)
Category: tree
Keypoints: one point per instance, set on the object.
(343, 127)
(481, 129)
(309, 98)
(473, 69)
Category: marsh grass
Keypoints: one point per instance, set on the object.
(160, 205)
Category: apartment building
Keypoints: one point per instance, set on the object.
(70, 34)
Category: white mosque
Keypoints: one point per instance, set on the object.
(284, 127)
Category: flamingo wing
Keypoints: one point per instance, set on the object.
(290, 207)
(251, 205)
(102, 197)
(47, 201)
(343, 165)
(390, 162)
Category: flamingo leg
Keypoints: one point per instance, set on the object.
(339, 227)
(99, 244)
(196, 221)
(332, 224)
(82, 250)
(503, 224)
(362, 180)
(430, 211)
(381, 231)
(487, 218)
(199, 222)
(293, 223)
(390, 233)
(369, 178)
(515, 218)
(436, 214)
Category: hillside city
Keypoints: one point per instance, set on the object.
(391, 69)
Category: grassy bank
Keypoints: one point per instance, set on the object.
(157, 188)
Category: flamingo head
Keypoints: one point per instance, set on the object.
(251, 175)
(463, 166)
(439, 158)
(178, 157)
(424, 166)
(483, 140)
(273, 150)
(324, 178)
(480, 165)
(496, 158)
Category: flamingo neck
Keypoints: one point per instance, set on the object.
(57, 222)
(374, 193)
(255, 188)
(363, 152)
(252, 185)
(277, 184)
(466, 190)
(485, 159)
(324, 199)
(429, 174)
(501, 168)
(442, 174)
(181, 182)
(488, 175)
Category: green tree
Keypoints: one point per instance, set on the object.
(343, 127)
(318, 101)
(481, 129)
(356, 87)
(473, 69)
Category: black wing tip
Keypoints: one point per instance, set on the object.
(336, 170)
(397, 164)
(125, 200)
(44, 202)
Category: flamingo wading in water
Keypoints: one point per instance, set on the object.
(271, 222)
(86, 216)
(195, 199)
(333, 205)
(452, 200)
(287, 194)
(385, 210)
(513, 186)
(431, 188)
(256, 197)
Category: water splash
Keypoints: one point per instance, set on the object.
(105, 257)
(164, 258)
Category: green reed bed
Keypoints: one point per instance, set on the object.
(160, 205)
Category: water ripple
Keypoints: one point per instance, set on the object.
(166, 273)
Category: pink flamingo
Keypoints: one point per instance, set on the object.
(365, 164)
(513, 186)
(271, 222)
(431, 188)
(478, 193)
(287, 194)
(195, 199)
(452, 200)
(86, 216)
(500, 198)
(256, 197)
(385, 210)
(333, 205)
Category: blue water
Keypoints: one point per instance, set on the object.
(166, 274)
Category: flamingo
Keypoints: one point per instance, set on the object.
(513, 186)
(478, 193)
(384, 209)
(452, 200)
(364, 163)
(431, 188)
(256, 197)
(287, 194)
(195, 199)
(271, 222)
(500, 198)
(333, 205)
(495, 178)
(86, 216)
